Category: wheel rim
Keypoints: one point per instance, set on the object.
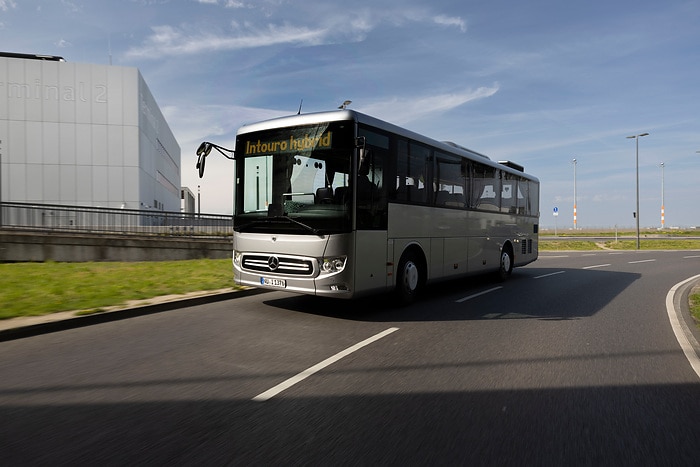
(410, 277)
(505, 262)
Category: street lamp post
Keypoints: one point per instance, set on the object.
(574, 162)
(663, 209)
(636, 213)
(0, 183)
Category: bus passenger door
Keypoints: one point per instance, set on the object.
(370, 260)
(371, 212)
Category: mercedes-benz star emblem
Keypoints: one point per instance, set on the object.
(273, 263)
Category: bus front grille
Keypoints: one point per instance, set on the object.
(277, 265)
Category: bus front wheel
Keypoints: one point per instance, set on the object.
(506, 264)
(408, 280)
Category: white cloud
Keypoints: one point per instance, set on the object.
(71, 6)
(167, 40)
(317, 28)
(406, 109)
(7, 4)
(451, 21)
(192, 123)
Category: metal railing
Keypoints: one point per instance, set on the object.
(112, 221)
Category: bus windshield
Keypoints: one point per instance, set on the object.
(295, 179)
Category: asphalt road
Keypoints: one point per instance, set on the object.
(571, 362)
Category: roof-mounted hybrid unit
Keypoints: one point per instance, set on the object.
(513, 165)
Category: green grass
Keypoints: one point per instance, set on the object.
(648, 233)
(694, 303)
(569, 243)
(29, 289)
(653, 244)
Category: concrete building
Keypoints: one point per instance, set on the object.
(187, 203)
(83, 135)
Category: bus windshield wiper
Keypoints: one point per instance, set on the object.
(299, 223)
(267, 220)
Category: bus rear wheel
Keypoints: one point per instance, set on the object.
(506, 263)
(409, 279)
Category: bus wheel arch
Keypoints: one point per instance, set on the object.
(411, 274)
(505, 261)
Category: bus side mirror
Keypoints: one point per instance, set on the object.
(365, 156)
(200, 165)
(202, 152)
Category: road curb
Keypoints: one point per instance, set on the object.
(690, 325)
(20, 328)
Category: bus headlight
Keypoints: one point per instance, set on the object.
(333, 265)
(237, 258)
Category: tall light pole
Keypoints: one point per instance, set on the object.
(636, 213)
(0, 183)
(574, 162)
(663, 213)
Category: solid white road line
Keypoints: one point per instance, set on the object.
(678, 328)
(550, 274)
(319, 366)
(478, 294)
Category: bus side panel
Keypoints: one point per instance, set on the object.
(436, 261)
(456, 255)
(483, 254)
(371, 261)
(484, 245)
(409, 225)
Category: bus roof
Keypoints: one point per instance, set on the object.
(52, 58)
(348, 115)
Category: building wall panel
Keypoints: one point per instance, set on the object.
(50, 92)
(98, 131)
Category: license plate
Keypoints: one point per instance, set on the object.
(273, 282)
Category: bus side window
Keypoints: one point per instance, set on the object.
(486, 188)
(508, 194)
(450, 181)
(533, 194)
(371, 189)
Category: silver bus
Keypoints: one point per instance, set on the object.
(341, 204)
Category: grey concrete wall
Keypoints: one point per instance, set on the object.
(19, 247)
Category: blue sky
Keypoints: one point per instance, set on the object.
(537, 82)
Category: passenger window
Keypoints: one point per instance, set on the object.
(412, 172)
(486, 188)
(509, 198)
(450, 181)
(371, 192)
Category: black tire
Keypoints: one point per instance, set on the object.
(408, 278)
(505, 266)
